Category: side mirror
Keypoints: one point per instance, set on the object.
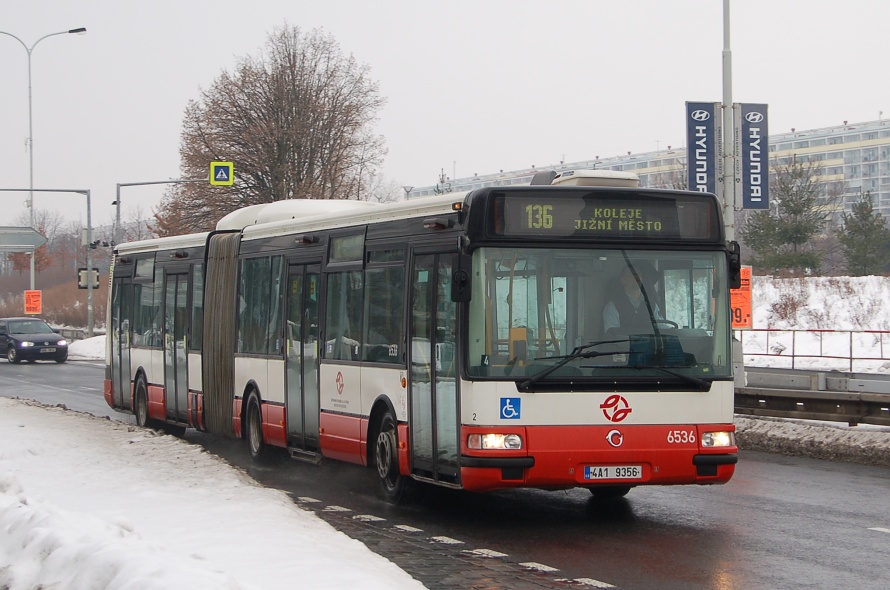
(734, 264)
(460, 278)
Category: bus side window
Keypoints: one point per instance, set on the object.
(384, 314)
(343, 315)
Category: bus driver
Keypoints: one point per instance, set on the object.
(627, 309)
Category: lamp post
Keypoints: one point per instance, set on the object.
(729, 155)
(29, 50)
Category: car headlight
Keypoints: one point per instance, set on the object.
(718, 439)
(26, 344)
(62, 343)
(501, 442)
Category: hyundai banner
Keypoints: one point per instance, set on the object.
(753, 139)
(702, 120)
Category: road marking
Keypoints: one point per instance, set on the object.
(446, 541)
(367, 518)
(588, 582)
(879, 529)
(336, 509)
(308, 500)
(540, 567)
(407, 529)
(485, 553)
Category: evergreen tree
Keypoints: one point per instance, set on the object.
(865, 240)
(781, 237)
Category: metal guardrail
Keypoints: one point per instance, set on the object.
(824, 349)
(832, 396)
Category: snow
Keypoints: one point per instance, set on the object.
(847, 316)
(87, 502)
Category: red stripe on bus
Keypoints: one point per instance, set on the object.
(340, 437)
(157, 408)
(196, 410)
(108, 393)
(404, 455)
(236, 416)
(274, 425)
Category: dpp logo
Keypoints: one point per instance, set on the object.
(615, 408)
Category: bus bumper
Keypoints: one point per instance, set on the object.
(559, 457)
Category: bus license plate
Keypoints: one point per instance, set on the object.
(595, 472)
(47, 350)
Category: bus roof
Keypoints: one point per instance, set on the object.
(614, 178)
(438, 204)
(289, 209)
(166, 243)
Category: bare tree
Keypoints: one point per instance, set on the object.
(297, 123)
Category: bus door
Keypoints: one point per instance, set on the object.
(433, 390)
(120, 341)
(175, 345)
(301, 350)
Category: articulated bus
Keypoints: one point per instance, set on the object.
(467, 340)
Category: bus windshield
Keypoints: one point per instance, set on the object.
(596, 315)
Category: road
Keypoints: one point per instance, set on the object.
(782, 522)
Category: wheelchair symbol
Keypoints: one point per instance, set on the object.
(510, 408)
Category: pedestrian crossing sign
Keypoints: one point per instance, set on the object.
(222, 173)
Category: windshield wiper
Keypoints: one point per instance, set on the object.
(578, 352)
(688, 378)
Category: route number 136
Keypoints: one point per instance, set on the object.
(540, 216)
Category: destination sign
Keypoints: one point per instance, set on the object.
(598, 215)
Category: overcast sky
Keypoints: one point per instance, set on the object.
(472, 86)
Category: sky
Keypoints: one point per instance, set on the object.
(121, 522)
(471, 87)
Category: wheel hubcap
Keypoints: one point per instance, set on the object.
(385, 447)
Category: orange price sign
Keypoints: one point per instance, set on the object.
(33, 302)
(740, 302)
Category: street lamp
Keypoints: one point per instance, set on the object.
(29, 50)
(117, 200)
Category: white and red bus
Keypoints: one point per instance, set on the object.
(461, 340)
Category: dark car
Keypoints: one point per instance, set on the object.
(31, 339)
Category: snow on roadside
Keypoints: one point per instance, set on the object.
(867, 445)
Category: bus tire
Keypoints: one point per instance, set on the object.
(609, 492)
(140, 402)
(386, 457)
(253, 429)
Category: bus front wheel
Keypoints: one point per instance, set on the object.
(386, 455)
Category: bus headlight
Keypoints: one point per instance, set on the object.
(501, 442)
(718, 439)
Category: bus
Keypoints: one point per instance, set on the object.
(464, 340)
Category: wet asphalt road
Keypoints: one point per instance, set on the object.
(782, 522)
